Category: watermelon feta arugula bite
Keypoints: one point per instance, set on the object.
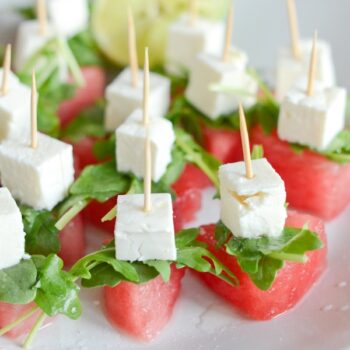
(310, 148)
(276, 260)
(139, 296)
(258, 297)
(313, 159)
(316, 183)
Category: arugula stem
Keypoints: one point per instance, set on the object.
(14, 324)
(289, 257)
(44, 74)
(72, 63)
(110, 215)
(69, 215)
(29, 340)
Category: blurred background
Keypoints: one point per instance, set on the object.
(260, 28)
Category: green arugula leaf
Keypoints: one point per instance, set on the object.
(103, 268)
(102, 275)
(112, 270)
(106, 255)
(267, 271)
(339, 149)
(105, 149)
(262, 257)
(162, 266)
(42, 237)
(195, 154)
(86, 50)
(222, 234)
(17, 283)
(88, 124)
(56, 290)
(100, 182)
(186, 237)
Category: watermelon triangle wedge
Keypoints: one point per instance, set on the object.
(290, 285)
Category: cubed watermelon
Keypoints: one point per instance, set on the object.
(185, 207)
(224, 144)
(191, 178)
(72, 240)
(95, 81)
(290, 285)
(83, 153)
(143, 310)
(10, 313)
(313, 183)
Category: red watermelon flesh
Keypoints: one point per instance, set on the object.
(143, 310)
(72, 240)
(291, 284)
(313, 183)
(185, 207)
(224, 144)
(95, 81)
(10, 313)
(191, 178)
(83, 153)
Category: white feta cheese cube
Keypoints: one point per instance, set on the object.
(13, 80)
(290, 69)
(123, 98)
(312, 120)
(68, 17)
(29, 41)
(11, 231)
(252, 207)
(14, 113)
(130, 145)
(210, 70)
(186, 41)
(37, 177)
(141, 235)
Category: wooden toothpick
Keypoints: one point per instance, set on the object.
(245, 143)
(6, 70)
(42, 16)
(146, 89)
(147, 180)
(192, 12)
(312, 67)
(228, 34)
(33, 114)
(294, 28)
(132, 49)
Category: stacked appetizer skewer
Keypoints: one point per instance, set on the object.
(260, 257)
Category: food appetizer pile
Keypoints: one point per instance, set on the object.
(84, 142)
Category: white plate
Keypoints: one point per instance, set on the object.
(203, 321)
